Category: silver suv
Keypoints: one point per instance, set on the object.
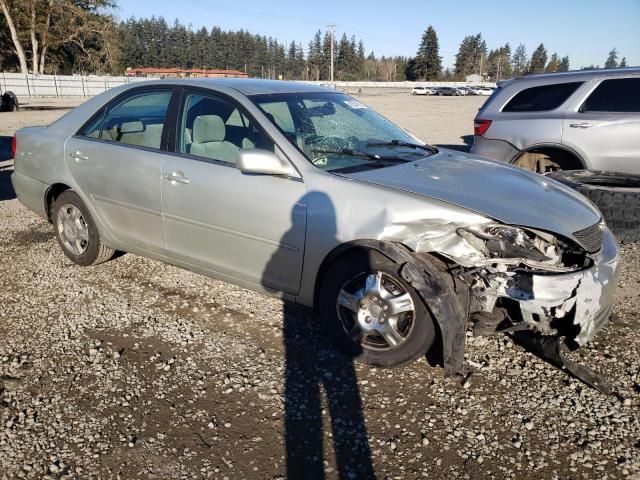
(571, 120)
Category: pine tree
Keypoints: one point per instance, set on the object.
(471, 56)
(499, 63)
(428, 62)
(538, 59)
(519, 62)
(411, 70)
(623, 62)
(315, 60)
(612, 59)
(343, 58)
(554, 64)
(564, 64)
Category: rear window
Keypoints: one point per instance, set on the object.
(542, 98)
(615, 95)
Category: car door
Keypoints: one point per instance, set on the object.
(605, 127)
(243, 226)
(116, 160)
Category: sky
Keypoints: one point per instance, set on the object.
(586, 30)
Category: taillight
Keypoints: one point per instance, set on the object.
(480, 127)
(13, 147)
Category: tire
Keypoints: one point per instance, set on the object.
(617, 195)
(71, 214)
(419, 332)
(9, 102)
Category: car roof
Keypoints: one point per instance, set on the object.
(577, 75)
(250, 86)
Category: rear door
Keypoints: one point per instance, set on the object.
(247, 227)
(604, 126)
(116, 160)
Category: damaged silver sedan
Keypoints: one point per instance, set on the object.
(308, 194)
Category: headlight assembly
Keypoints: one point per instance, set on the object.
(497, 241)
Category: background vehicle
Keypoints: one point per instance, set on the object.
(305, 193)
(449, 91)
(571, 120)
(486, 91)
(423, 91)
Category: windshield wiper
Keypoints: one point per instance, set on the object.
(400, 143)
(350, 152)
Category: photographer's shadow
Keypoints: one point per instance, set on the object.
(312, 366)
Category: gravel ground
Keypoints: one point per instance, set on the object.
(136, 369)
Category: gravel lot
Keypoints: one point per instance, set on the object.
(136, 369)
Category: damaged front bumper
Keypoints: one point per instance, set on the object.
(585, 298)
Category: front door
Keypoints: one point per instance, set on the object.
(245, 227)
(116, 160)
(606, 127)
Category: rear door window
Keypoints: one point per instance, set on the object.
(137, 120)
(615, 95)
(542, 98)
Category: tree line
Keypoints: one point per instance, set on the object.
(79, 36)
(151, 42)
(474, 57)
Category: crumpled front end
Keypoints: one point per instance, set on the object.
(521, 278)
(574, 305)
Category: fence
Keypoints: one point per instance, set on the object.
(400, 85)
(88, 86)
(60, 85)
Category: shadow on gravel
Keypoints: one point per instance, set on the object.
(313, 365)
(44, 107)
(5, 148)
(6, 189)
(468, 142)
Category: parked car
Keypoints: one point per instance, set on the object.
(423, 91)
(305, 193)
(586, 119)
(486, 91)
(450, 91)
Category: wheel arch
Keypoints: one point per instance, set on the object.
(339, 251)
(50, 196)
(443, 301)
(549, 147)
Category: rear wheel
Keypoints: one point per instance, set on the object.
(545, 160)
(76, 231)
(373, 314)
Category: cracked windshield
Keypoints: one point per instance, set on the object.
(340, 134)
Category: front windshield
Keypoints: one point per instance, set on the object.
(338, 133)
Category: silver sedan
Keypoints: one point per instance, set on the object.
(308, 194)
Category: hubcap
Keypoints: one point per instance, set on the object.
(72, 229)
(376, 311)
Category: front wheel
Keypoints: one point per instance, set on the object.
(372, 313)
(76, 231)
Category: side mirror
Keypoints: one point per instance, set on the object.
(264, 162)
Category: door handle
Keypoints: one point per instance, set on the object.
(580, 125)
(177, 177)
(79, 156)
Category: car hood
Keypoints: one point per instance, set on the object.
(494, 189)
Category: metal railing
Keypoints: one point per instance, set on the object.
(61, 85)
(90, 85)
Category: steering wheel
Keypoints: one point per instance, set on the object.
(318, 142)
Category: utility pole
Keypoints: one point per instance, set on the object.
(331, 28)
